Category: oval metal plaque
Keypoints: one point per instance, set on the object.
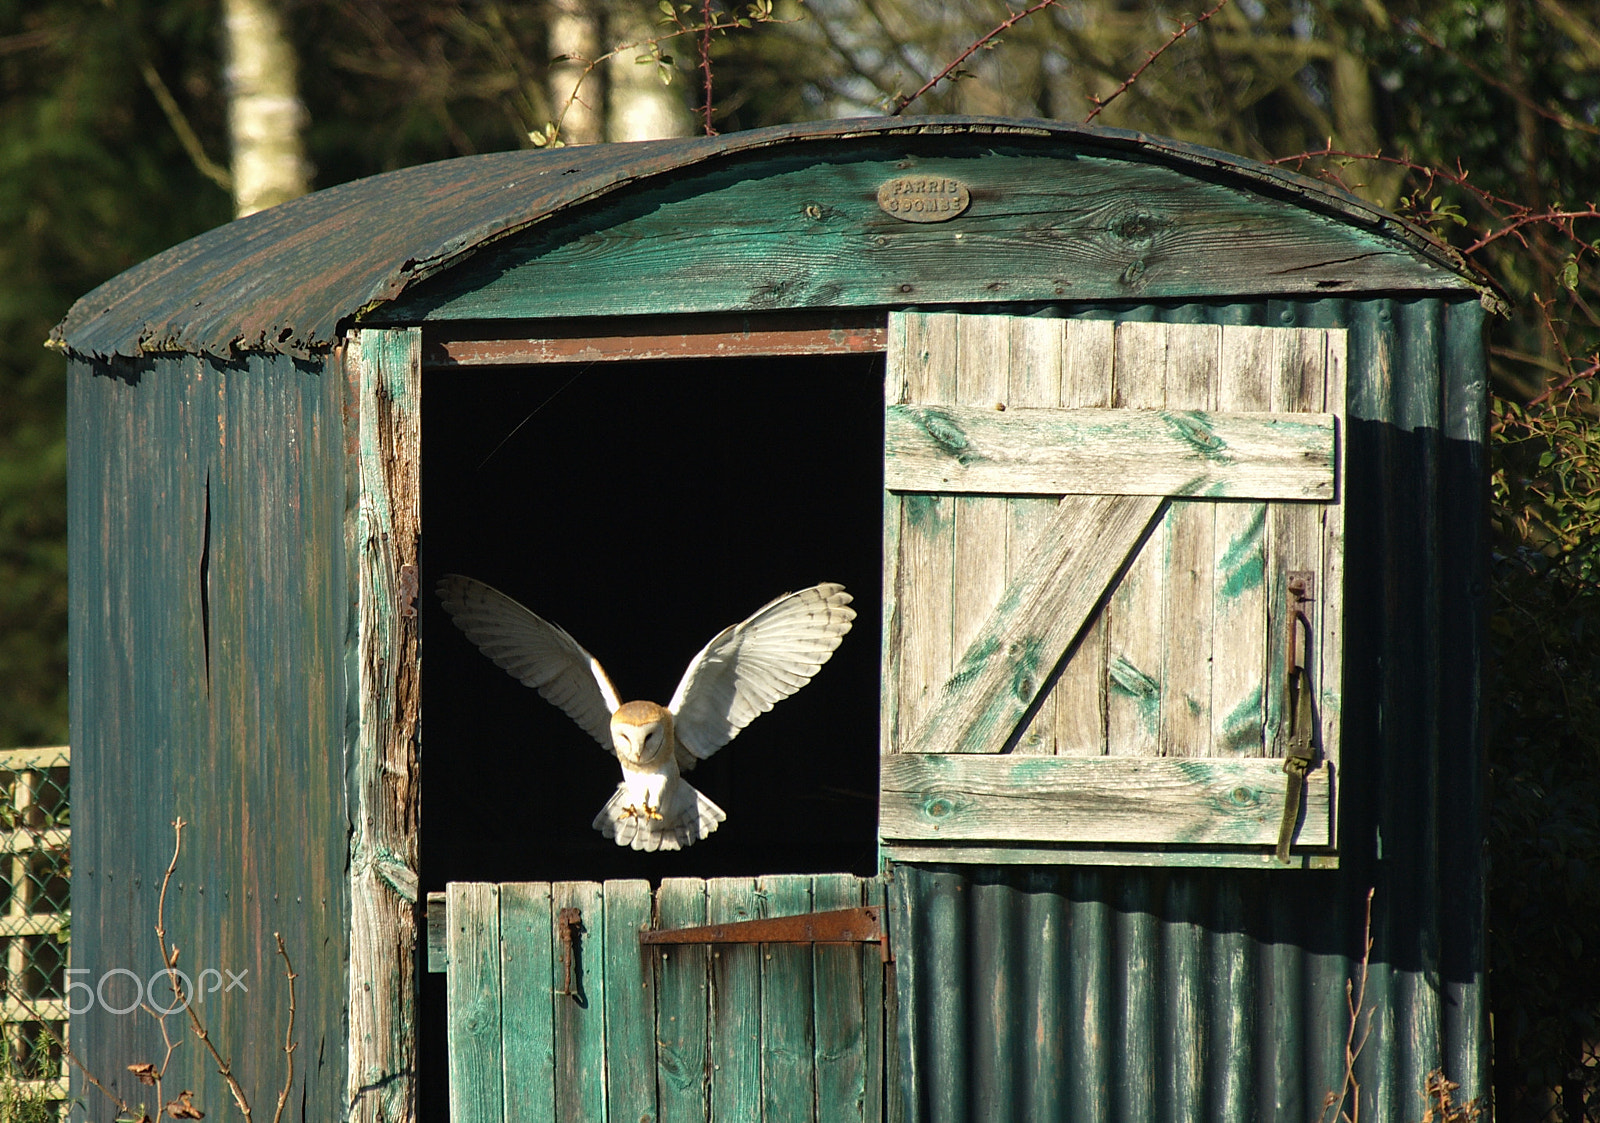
(923, 198)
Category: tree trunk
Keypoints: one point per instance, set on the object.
(642, 106)
(578, 100)
(266, 118)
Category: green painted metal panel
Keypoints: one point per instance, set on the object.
(209, 614)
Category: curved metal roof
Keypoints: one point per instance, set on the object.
(290, 278)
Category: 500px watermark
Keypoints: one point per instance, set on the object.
(152, 991)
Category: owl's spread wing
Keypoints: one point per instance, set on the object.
(749, 666)
(535, 652)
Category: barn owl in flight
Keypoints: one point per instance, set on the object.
(743, 670)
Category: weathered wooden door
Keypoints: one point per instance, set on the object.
(1113, 560)
(558, 1012)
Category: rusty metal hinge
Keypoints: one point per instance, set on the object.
(839, 926)
(569, 923)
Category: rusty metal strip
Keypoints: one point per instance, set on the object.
(839, 926)
(704, 337)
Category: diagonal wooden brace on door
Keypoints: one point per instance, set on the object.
(1052, 598)
(1133, 459)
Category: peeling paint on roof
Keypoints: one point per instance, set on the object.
(290, 279)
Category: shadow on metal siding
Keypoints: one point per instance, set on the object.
(1081, 993)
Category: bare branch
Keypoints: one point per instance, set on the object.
(1015, 18)
(1101, 102)
(1565, 120)
(169, 956)
(1355, 998)
(705, 60)
(187, 137)
(289, 1044)
(719, 23)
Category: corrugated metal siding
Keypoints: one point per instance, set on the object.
(1139, 994)
(289, 279)
(246, 745)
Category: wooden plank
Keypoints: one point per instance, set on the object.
(527, 1028)
(386, 371)
(892, 639)
(1239, 608)
(472, 1002)
(982, 362)
(735, 1005)
(788, 1064)
(1294, 531)
(964, 449)
(1089, 347)
(50, 756)
(438, 934)
(950, 797)
(1034, 380)
(1191, 383)
(1135, 637)
(1330, 683)
(844, 1067)
(1058, 588)
(925, 572)
(644, 338)
(683, 976)
(629, 1004)
(577, 979)
(1048, 229)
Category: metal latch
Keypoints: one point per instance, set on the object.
(839, 926)
(1298, 715)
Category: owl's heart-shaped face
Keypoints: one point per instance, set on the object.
(641, 732)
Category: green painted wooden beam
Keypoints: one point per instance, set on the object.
(1094, 800)
(969, 449)
(804, 230)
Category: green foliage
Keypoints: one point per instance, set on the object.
(22, 1098)
(91, 182)
(1544, 697)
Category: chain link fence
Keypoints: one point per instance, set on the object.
(35, 928)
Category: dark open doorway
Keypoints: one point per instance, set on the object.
(643, 507)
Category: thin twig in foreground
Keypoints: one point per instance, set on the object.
(289, 1044)
(902, 101)
(1355, 997)
(705, 60)
(169, 956)
(1101, 102)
